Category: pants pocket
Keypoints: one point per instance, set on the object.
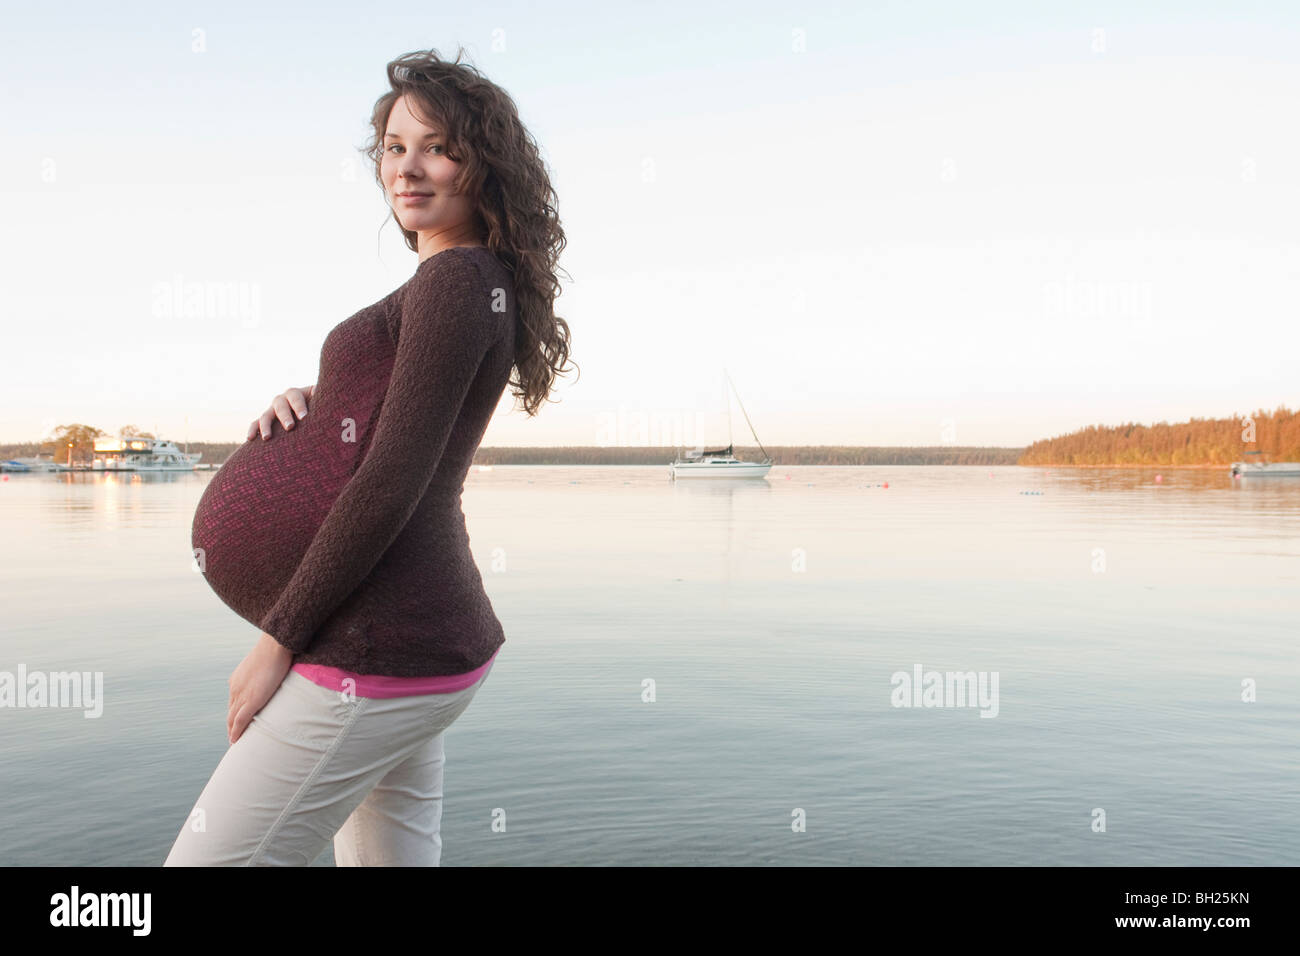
(302, 709)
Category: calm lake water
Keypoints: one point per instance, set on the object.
(1120, 616)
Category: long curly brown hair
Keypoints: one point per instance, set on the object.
(503, 175)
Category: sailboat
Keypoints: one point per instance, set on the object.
(721, 462)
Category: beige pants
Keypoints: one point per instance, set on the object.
(315, 765)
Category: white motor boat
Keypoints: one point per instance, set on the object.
(1278, 469)
(721, 463)
(133, 453)
(29, 464)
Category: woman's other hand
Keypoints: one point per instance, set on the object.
(283, 408)
(255, 681)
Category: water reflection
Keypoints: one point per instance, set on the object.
(773, 671)
(110, 500)
(714, 488)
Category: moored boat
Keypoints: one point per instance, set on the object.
(718, 464)
(19, 465)
(1276, 469)
(721, 462)
(133, 453)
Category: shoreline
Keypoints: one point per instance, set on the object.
(1166, 467)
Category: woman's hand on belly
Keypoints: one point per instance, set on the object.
(284, 407)
(254, 681)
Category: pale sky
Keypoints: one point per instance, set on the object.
(893, 224)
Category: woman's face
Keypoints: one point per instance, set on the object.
(415, 162)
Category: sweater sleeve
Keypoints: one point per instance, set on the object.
(447, 326)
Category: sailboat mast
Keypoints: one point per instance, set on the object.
(746, 414)
(727, 398)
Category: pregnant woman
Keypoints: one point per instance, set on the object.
(337, 528)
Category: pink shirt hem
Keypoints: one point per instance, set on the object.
(379, 685)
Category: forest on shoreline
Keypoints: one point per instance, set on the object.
(1201, 442)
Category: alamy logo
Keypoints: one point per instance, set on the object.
(84, 689)
(947, 689)
(102, 909)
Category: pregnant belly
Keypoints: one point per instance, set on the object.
(262, 508)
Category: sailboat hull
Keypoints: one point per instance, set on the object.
(741, 469)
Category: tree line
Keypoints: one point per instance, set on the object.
(1201, 441)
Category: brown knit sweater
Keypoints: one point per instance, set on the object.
(343, 537)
